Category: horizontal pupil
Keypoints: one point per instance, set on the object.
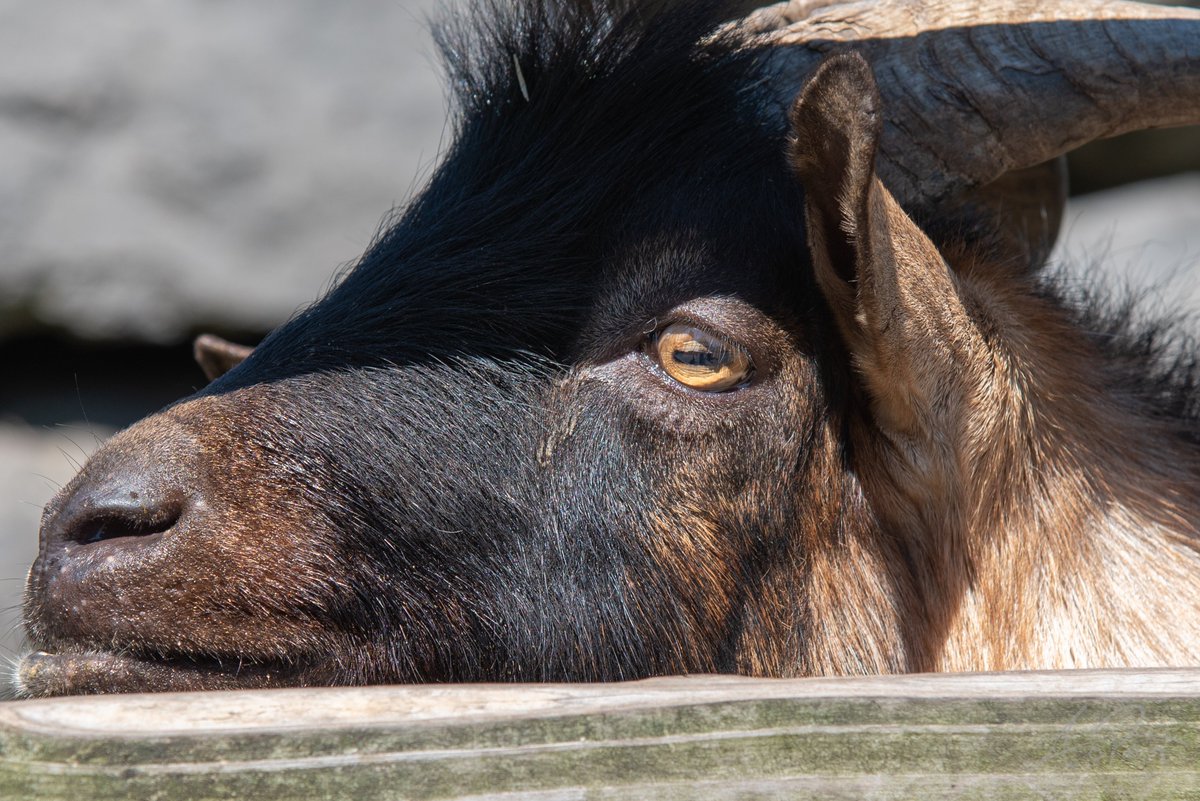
(696, 358)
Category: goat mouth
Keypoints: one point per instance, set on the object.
(82, 672)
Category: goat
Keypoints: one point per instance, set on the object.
(669, 371)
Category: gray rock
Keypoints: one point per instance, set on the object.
(196, 163)
(1143, 238)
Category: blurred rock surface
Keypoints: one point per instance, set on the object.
(168, 165)
(1145, 237)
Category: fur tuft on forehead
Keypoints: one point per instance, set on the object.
(497, 53)
(569, 102)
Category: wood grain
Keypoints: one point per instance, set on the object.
(1086, 734)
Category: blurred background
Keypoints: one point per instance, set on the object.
(207, 165)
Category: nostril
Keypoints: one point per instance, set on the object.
(141, 492)
(111, 527)
(116, 520)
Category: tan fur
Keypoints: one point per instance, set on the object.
(1079, 511)
(1048, 520)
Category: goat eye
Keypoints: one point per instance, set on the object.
(699, 360)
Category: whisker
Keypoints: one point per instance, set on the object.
(88, 423)
(62, 429)
(56, 486)
(71, 459)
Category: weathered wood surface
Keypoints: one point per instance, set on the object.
(1088, 734)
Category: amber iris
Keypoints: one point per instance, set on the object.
(699, 360)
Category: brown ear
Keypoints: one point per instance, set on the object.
(217, 356)
(894, 300)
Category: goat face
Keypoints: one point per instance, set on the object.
(587, 410)
(543, 431)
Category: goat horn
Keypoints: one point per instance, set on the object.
(975, 90)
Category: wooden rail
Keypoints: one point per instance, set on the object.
(1068, 735)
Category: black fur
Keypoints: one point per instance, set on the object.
(416, 397)
(501, 251)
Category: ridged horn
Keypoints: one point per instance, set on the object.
(972, 91)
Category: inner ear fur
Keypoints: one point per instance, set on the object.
(895, 302)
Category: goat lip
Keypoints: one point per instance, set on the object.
(82, 672)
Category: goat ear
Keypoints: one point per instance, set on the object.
(894, 300)
(217, 356)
